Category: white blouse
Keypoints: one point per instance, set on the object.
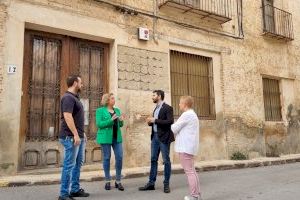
(186, 131)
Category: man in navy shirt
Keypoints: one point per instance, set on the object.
(73, 138)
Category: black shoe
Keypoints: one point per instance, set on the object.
(119, 186)
(66, 198)
(107, 186)
(148, 186)
(167, 189)
(80, 193)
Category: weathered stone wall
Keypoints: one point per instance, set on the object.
(137, 68)
(140, 69)
(139, 73)
(3, 16)
(6, 164)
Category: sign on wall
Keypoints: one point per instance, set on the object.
(11, 69)
(144, 33)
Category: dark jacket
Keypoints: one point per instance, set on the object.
(164, 122)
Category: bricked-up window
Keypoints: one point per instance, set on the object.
(272, 99)
(193, 75)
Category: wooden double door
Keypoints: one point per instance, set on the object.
(48, 60)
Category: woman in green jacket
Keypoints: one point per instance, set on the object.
(109, 136)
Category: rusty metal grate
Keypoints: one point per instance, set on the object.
(272, 101)
(218, 10)
(193, 75)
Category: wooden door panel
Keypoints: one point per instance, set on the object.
(48, 60)
(44, 90)
(91, 69)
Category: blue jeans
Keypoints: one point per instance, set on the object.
(73, 160)
(156, 147)
(106, 154)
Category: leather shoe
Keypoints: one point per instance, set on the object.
(66, 198)
(148, 186)
(107, 186)
(119, 186)
(80, 193)
(167, 189)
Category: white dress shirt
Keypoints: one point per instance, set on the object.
(186, 130)
(155, 115)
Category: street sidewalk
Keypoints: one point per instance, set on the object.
(94, 172)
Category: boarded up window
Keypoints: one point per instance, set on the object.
(272, 100)
(193, 75)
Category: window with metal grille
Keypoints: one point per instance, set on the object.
(272, 101)
(277, 23)
(193, 75)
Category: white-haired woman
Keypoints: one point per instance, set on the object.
(186, 131)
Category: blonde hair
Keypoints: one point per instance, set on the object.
(105, 98)
(188, 100)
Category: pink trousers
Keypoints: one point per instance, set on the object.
(187, 162)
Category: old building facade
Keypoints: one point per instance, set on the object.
(240, 60)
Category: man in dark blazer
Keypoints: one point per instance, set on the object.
(161, 139)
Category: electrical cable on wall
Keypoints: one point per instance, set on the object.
(135, 11)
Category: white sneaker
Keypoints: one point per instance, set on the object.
(192, 198)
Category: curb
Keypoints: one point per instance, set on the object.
(4, 183)
(176, 170)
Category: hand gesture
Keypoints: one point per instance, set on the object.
(114, 117)
(76, 140)
(122, 117)
(150, 120)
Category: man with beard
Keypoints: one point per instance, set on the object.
(73, 138)
(161, 138)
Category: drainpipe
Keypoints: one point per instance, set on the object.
(155, 12)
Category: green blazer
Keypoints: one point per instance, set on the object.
(105, 126)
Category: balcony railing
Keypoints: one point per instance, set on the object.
(220, 11)
(277, 23)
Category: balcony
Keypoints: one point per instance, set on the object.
(220, 11)
(277, 23)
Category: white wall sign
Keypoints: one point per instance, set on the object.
(144, 33)
(11, 69)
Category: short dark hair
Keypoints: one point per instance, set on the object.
(160, 93)
(71, 79)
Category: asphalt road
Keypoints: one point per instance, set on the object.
(266, 183)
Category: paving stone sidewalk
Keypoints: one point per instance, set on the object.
(94, 172)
